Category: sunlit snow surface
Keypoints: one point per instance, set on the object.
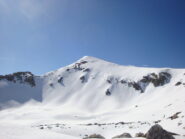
(73, 108)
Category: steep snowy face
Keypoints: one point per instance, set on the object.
(90, 83)
(96, 85)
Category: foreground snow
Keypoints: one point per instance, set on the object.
(10, 131)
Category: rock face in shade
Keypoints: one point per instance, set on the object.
(93, 136)
(20, 87)
(20, 77)
(140, 135)
(157, 132)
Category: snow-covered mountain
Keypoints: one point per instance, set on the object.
(109, 97)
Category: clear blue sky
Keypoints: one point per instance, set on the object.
(44, 35)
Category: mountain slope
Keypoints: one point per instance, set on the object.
(89, 78)
(91, 91)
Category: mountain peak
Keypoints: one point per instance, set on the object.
(88, 58)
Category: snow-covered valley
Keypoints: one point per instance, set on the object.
(91, 96)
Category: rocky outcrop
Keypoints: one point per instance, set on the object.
(124, 135)
(108, 93)
(83, 79)
(175, 116)
(156, 79)
(97, 136)
(21, 77)
(86, 70)
(140, 135)
(77, 66)
(178, 83)
(61, 80)
(157, 132)
(160, 79)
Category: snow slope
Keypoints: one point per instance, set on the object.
(93, 96)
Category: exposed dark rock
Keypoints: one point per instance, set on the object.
(175, 116)
(60, 80)
(169, 105)
(121, 123)
(130, 84)
(83, 79)
(108, 93)
(133, 84)
(67, 69)
(21, 77)
(158, 121)
(9, 77)
(77, 66)
(178, 83)
(140, 135)
(157, 132)
(51, 84)
(102, 124)
(149, 78)
(137, 87)
(42, 127)
(109, 81)
(86, 70)
(123, 82)
(157, 80)
(30, 80)
(179, 123)
(83, 62)
(173, 134)
(112, 80)
(154, 75)
(163, 78)
(124, 135)
(98, 136)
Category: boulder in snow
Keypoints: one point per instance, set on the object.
(124, 135)
(140, 135)
(157, 132)
(97, 136)
(175, 116)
